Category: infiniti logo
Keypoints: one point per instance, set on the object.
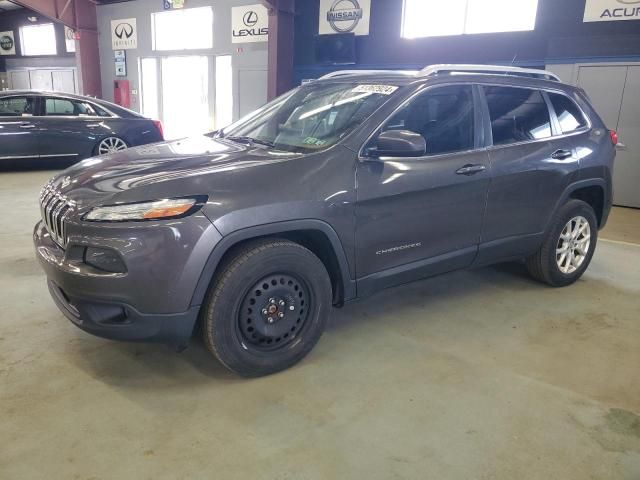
(250, 18)
(123, 30)
(344, 15)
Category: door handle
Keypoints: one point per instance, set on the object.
(561, 154)
(470, 169)
(27, 125)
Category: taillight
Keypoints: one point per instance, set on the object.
(158, 125)
(614, 137)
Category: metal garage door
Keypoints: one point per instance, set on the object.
(615, 93)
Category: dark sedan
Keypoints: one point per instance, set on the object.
(46, 125)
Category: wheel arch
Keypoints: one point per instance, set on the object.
(592, 191)
(316, 235)
(101, 138)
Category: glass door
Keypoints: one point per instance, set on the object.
(185, 96)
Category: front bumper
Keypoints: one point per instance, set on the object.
(123, 322)
(152, 300)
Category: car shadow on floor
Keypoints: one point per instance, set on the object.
(34, 165)
(140, 365)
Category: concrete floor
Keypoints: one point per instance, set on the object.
(474, 375)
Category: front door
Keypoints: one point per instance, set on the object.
(421, 216)
(18, 128)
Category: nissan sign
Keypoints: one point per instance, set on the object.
(344, 16)
(249, 23)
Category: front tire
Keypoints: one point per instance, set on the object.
(267, 307)
(568, 247)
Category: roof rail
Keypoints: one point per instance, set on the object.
(342, 73)
(488, 69)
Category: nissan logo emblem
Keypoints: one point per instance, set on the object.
(123, 30)
(344, 15)
(250, 18)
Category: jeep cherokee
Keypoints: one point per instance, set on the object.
(353, 183)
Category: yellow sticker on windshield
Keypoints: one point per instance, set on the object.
(380, 89)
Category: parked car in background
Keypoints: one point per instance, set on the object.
(47, 125)
(342, 187)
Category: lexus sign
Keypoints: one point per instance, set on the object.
(344, 16)
(611, 10)
(249, 24)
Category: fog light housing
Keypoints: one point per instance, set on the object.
(104, 259)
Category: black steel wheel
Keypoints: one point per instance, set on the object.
(267, 307)
(274, 312)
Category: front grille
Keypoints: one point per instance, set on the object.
(55, 209)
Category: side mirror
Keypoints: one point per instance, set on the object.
(400, 143)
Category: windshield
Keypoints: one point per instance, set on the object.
(311, 118)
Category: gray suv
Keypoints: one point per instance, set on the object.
(353, 183)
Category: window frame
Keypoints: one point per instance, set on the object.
(42, 111)
(464, 25)
(478, 122)
(23, 44)
(35, 98)
(552, 109)
(183, 51)
(556, 131)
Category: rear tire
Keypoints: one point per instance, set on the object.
(568, 247)
(267, 307)
(110, 145)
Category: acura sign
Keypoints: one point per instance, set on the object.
(344, 16)
(249, 24)
(611, 10)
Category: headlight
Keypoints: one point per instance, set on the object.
(156, 210)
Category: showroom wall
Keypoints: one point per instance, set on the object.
(249, 61)
(12, 21)
(560, 37)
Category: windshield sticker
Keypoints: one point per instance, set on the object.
(380, 89)
(314, 141)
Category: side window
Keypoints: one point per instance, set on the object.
(17, 106)
(444, 116)
(99, 111)
(69, 108)
(568, 113)
(517, 115)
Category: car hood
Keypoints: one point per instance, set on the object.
(191, 166)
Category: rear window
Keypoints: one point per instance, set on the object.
(568, 113)
(517, 115)
(17, 106)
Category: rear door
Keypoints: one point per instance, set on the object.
(421, 216)
(70, 128)
(19, 137)
(532, 162)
